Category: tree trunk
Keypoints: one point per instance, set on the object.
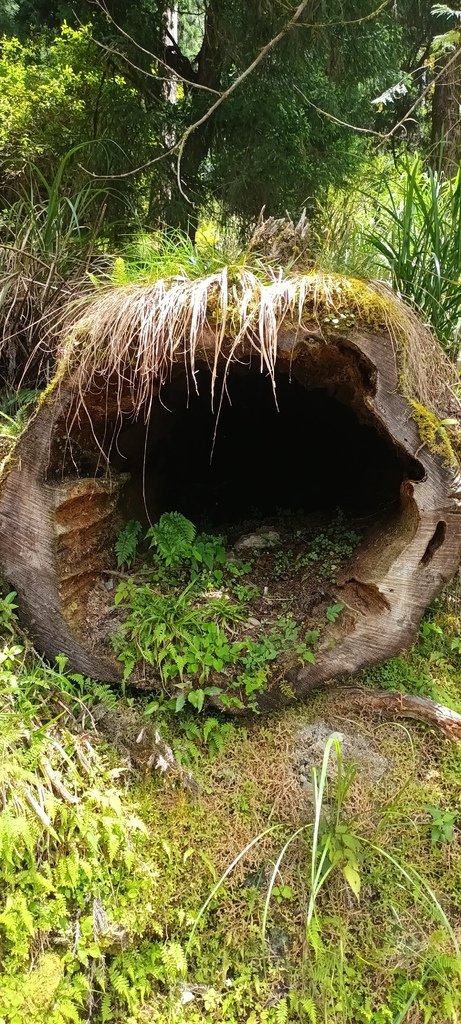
(184, 208)
(446, 115)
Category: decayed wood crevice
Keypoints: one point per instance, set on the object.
(34, 538)
(407, 563)
(62, 502)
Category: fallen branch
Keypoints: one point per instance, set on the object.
(404, 705)
(58, 787)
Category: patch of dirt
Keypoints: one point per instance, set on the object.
(296, 564)
(357, 748)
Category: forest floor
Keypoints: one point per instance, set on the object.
(119, 898)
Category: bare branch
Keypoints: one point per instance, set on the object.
(337, 120)
(153, 56)
(294, 22)
(179, 146)
(236, 84)
(347, 21)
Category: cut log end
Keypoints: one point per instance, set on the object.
(340, 434)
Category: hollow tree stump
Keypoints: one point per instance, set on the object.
(75, 477)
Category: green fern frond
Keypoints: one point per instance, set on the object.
(281, 1012)
(173, 536)
(120, 984)
(127, 542)
(174, 961)
(309, 1008)
(443, 11)
(106, 1008)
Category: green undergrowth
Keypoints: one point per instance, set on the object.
(188, 609)
(15, 410)
(107, 868)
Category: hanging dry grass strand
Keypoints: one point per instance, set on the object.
(136, 333)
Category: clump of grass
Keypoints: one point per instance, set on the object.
(418, 237)
(135, 333)
(47, 244)
(172, 254)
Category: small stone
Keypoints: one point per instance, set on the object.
(258, 541)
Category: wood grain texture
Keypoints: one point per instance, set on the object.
(58, 518)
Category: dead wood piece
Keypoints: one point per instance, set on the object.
(58, 787)
(391, 704)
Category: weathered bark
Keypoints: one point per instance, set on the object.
(389, 704)
(57, 521)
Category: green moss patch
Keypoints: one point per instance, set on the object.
(105, 867)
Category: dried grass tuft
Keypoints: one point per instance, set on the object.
(135, 334)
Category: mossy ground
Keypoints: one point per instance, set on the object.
(102, 900)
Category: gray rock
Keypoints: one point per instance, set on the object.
(356, 749)
(257, 541)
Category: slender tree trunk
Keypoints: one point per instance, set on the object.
(184, 211)
(446, 116)
(171, 86)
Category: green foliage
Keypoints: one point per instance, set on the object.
(126, 545)
(418, 236)
(15, 409)
(46, 242)
(97, 900)
(67, 82)
(181, 626)
(325, 550)
(334, 611)
(281, 1013)
(58, 93)
(442, 825)
(432, 668)
(74, 887)
(334, 843)
(171, 253)
(173, 536)
(202, 737)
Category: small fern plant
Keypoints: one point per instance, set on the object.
(173, 537)
(281, 1012)
(127, 542)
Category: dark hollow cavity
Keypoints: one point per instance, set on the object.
(308, 452)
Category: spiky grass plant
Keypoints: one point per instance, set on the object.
(417, 235)
(47, 238)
